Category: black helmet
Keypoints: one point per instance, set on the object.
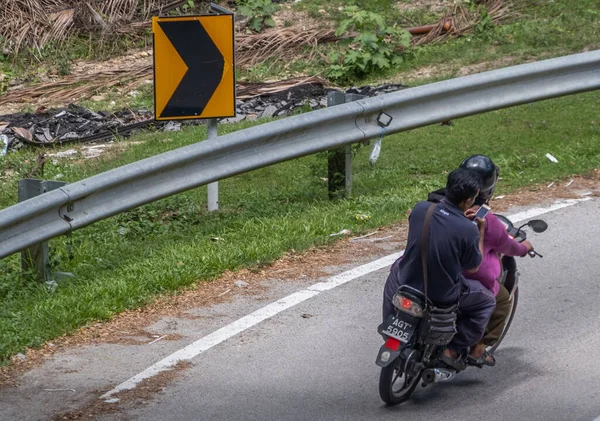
(488, 171)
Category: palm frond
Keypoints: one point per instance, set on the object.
(37, 23)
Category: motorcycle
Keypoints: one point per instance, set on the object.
(416, 335)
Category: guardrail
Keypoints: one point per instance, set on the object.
(81, 203)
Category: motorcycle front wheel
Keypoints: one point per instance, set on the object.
(395, 386)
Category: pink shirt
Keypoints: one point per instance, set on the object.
(496, 240)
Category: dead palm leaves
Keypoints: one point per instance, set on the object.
(27, 22)
(462, 20)
(256, 48)
(31, 25)
(250, 49)
(37, 23)
(77, 87)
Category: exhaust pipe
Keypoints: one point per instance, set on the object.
(436, 375)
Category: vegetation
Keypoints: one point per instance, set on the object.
(157, 249)
(259, 13)
(126, 261)
(374, 48)
(541, 29)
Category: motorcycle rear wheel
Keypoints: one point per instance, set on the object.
(390, 376)
(513, 310)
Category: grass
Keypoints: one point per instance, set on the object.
(545, 29)
(126, 261)
(141, 98)
(387, 8)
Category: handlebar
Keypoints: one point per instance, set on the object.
(534, 253)
(520, 236)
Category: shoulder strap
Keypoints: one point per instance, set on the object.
(425, 246)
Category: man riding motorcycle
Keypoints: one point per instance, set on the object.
(455, 245)
(497, 242)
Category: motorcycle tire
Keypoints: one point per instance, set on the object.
(386, 386)
(513, 310)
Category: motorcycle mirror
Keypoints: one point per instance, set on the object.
(538, 225)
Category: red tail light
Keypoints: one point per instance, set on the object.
(393, 344)
(407, 305)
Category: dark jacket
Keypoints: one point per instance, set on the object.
(436, 196)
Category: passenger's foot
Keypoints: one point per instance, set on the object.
(480, 357)
(452, 358)
(450, 353)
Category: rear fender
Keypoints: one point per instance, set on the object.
(389, 352)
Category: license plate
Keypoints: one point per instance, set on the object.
(398, 329)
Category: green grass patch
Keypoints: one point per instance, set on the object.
(543, 29)
(126, 261)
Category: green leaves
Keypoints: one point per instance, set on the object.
(404, 37)
(343, 28)
(368, 39)
(379, 60)
(259, 12)
(373, 46)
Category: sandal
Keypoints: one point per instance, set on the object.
(456, 363)
(482, 360)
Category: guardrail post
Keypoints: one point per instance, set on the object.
(336, 158)
(350, 98)
(339, 161)
(35, 258)
(213, 188)
(348, 166)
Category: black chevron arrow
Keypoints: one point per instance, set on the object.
(205, 68)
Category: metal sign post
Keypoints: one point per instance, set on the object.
(335, 158)
(213, 188)
(194, 72)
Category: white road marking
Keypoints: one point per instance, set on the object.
(270, 310)
(535, 212)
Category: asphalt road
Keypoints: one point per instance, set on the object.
(316, 361)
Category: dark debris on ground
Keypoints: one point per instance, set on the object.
(50, 127)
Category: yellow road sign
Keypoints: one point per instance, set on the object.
(194, 69)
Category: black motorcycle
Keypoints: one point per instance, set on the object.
(416, 335)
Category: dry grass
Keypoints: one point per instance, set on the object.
(37, 23)
(38, 28)
(75, 88)
(462, 20)
(247, 90)
(282, 43)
